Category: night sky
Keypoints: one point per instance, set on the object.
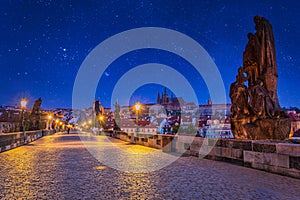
(43, 44)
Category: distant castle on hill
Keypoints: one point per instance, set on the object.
(164, 99)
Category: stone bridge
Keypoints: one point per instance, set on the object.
(65, 166)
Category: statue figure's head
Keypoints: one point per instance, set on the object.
(257, 19)
(240, 70)
(250, 36)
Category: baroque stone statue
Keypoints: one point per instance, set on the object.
(255, 111)
(35, 116)
(239, 94)
(117, 116)
(99, 110)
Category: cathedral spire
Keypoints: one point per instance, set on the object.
(158, 98)
(164, 98)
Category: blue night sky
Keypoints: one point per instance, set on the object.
(43, 44)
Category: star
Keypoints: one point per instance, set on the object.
(49, 40)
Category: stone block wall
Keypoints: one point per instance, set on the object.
(12, 140)
(276, 157)
(281, 158)
(149, 140)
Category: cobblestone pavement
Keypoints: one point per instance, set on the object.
(60, 167)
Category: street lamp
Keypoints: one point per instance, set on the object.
(56, 123)
(137, 108)
(60, 125)
(100, 120)
(49, 121)
(23, 107)
(23, 103)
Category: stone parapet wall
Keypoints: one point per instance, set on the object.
(145, 139)
(12, 140)
(277, 157)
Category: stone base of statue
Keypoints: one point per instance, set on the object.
(261, 129)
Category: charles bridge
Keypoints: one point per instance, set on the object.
(259, 162)
(60, 166)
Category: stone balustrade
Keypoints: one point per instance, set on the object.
(145, 139)
(12, 140)
(279, 157)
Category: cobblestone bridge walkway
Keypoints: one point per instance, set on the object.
(60, 167)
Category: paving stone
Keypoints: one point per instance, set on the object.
(60, 167)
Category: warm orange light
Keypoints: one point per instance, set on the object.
(90, 121)
(137, 106)
(56, 121)
(101, 167)
(50, 117)
(23, 103)
(60, 123)
(101, 118)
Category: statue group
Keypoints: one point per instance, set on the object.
(35, 115)
(99, 110)
(255, 111)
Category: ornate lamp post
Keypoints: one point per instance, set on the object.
(60, 125)
(23, 107)
(100, 120)
(23, 104)
(137, 108)
(49, 122)
(90, 124)
(56, 123)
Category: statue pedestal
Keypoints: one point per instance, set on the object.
(261, 129)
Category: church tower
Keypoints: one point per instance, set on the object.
(165, 98)
(158, 101)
